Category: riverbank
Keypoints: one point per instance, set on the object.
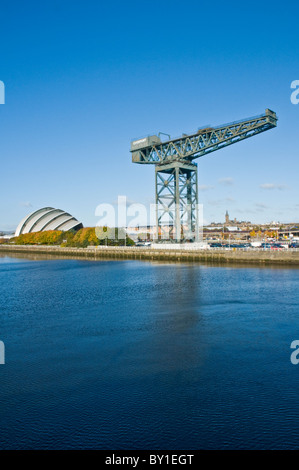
(262, 257)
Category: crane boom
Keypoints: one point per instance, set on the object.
(188, 147)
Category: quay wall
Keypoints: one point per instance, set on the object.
(253, 256)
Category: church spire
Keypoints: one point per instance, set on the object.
(226, 218)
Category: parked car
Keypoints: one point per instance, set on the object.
(294, 245)
(143, 244)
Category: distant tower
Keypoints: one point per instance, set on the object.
(226, 218)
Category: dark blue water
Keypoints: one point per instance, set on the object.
(137, 355)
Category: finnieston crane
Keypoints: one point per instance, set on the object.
(176, 173)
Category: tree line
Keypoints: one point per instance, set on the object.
(82, 238)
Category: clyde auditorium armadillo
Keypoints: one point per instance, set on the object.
(48, 218)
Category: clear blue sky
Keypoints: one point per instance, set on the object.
(83, 78)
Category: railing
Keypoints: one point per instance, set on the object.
(220, 126)
(235, 123)
(175, 248)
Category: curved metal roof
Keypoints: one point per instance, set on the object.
(47, 218)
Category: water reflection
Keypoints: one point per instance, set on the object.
(176, 339)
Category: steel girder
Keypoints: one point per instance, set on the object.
(176, 200)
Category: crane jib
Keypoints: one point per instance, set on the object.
(152, 150)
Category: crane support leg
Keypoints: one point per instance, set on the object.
(177, 201)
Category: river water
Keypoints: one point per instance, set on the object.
(141, 355)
